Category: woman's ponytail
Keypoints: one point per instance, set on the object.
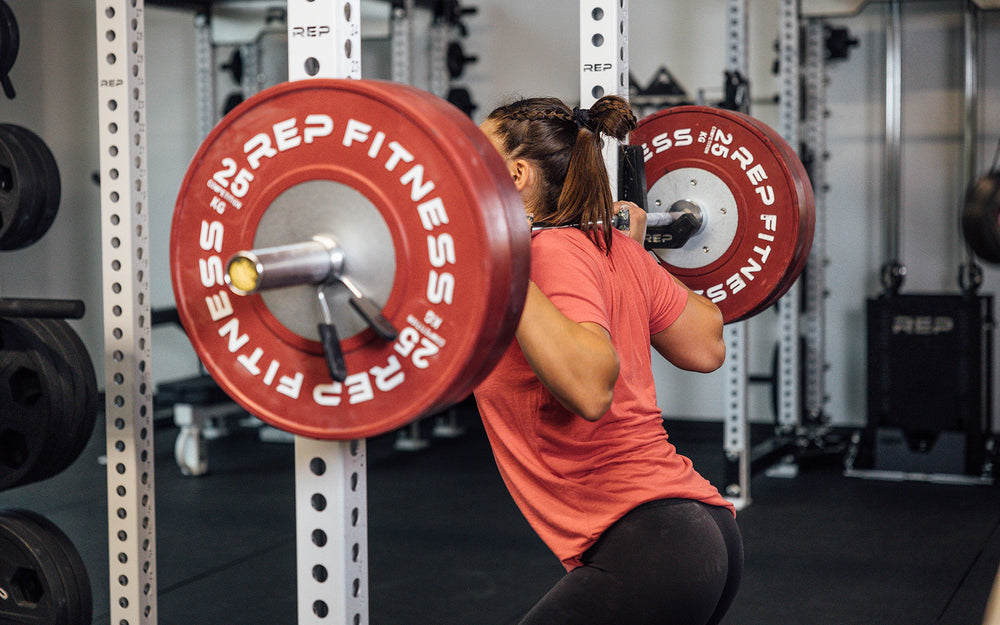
(586, 191)
(565, 144)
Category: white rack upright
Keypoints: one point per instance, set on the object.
(121, 93)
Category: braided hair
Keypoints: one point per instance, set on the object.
(565, 145)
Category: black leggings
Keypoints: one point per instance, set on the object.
(667, 562)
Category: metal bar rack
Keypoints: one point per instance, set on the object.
(331, 484)
(800, 389)
(125, 242)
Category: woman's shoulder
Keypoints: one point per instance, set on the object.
(573, 241)
(561, 240)
(624, 245)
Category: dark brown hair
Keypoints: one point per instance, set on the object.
(565, 145)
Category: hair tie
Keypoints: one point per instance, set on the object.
(582, 118)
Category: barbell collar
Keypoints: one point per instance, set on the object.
(370, 311)
(892, 275)
(677, 209)
(970, 277)
(316, 261)
(674, 228)
(329, 339)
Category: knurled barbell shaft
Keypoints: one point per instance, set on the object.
(653, 220)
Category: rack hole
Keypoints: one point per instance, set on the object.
(318, 502)
(319, 573)
(320, 609)
(317, 466)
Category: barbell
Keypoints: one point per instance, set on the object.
(348, 256)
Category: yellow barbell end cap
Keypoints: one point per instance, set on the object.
(242, 275)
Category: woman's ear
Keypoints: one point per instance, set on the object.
(522, 172)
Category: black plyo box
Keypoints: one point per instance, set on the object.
(929, 372)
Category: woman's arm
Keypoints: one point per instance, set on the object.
(693, 342)
(575, 361)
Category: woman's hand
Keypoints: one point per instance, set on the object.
(636, 219)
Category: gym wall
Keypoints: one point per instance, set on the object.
(531, 48)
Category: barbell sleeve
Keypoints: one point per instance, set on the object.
(309, 262)
(660, 220)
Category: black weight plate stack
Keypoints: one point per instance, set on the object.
(981, 217)
(44, 185)
(10, 42)
(60, 441)
(31, 401)
(85, 378)
(71, 567)
(33, 588)
(18, 192)
(79, 381)
(41, 572)
(50, 181)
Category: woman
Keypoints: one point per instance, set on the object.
(571, 411)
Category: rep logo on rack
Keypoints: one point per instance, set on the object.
(922, 325)
(311, 32)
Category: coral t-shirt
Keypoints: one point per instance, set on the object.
(573, 478)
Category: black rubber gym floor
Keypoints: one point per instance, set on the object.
(447, 545)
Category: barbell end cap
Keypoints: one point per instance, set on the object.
(243, 273)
